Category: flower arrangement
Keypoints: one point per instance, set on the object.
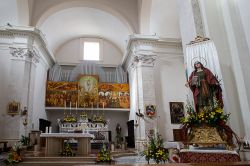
(69, 118)
(154, 149)
(212, 116)
(67, 151)
(14, 156)
(103, 155)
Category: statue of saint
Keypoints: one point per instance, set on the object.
(205, 86)
(118, 136)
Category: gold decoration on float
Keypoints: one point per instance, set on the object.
(205, 135)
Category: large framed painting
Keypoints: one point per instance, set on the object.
(176, 112)
(62, 86)
(114, 95)
(60, 93)
(88, 90)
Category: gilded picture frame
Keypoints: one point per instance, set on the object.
(176, 112)
(150, 110)
(13, 108)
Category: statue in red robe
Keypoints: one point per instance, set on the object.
(205, 86)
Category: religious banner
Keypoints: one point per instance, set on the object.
(113, 95)
(88, 91)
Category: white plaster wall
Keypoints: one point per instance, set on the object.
(186, 21)
(219, 25)
(5, 120)
(70, 53)
(39, 95)
(164, 20)
(114, 117)
(170, 87)
(243, 6)
(8, 12)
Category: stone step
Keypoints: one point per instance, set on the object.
(55, 163)
(59, 159)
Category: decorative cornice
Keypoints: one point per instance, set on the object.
(36, 41)
(147, 48)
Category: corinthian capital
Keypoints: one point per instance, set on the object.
(24, 54)
(145, 59)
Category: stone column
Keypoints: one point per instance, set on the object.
(143, 52)
(21, 83)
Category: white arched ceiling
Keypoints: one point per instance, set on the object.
(164, 19)
(126, 11)
(76, 22)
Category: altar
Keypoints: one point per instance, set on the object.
(55, 143)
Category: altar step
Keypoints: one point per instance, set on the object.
(29, 161)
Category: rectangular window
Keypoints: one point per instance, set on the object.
(91, 51)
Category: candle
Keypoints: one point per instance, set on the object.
(70, 107)
(103, 105)
(76, 107)
(155, 133)
(50, 129)
(65, 104)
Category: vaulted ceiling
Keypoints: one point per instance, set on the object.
(113, 20)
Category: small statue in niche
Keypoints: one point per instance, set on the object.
(119, 138)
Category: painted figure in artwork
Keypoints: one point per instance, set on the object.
(205, 86)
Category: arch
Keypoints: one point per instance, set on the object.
(87, 3)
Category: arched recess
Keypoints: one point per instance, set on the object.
(70, 51)
(87, 3)
(83, 21)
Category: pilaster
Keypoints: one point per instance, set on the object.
(139, 61)
(22, 49)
